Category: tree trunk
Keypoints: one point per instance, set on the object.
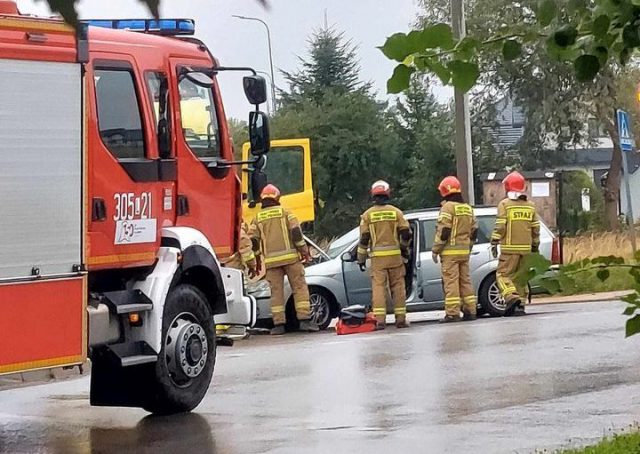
(612, 188)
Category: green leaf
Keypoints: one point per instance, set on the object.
(532, 265)
(603, 275)
(154, 6)
(630, 36)
(511, 49)
(636, 256)
(565, 36)
(67, 9)
(630, 310)
(551, 285)
(441, 71)
(586, 67)
(635, 273)
(633, 326)
(601, 26)
(466, 48)
(397, 47)
(438, 35)
(608, 260)
(463, 74)
(547, 10)
(400, 79)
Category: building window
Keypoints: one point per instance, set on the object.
(119, 117)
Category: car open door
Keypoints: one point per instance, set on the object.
(288, 166)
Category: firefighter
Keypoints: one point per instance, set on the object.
(517, 231)
(385, 236)
(245, 258)
(276, 233)
(455, 235)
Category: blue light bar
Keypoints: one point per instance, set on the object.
(169, 27)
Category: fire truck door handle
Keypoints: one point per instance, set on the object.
(182, 209)
(98, 210)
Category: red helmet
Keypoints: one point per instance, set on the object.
(514, 182)
(449, 185)
(380, 187)
(270, 191)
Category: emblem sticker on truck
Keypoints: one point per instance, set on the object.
(134, 220)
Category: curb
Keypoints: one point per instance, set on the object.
(584, 298)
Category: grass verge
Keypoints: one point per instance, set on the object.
(618, 444)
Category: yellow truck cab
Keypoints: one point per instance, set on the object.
(289, 168)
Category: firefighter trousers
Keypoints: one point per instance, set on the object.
(382, 275)
(508, 266)
(275, 277)
(458, 289)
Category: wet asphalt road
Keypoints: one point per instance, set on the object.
(560, 377)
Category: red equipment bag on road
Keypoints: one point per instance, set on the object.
(354, 320)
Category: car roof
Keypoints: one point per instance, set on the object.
(432, 213)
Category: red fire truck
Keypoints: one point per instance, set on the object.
(116, 208)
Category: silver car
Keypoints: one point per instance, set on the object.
(336, 281)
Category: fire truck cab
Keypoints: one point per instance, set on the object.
(117, 208)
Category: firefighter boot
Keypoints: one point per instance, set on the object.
(450, 319)
(309, 326)
(518, 310)
(277, 330)
(469, 317)
(512, 303)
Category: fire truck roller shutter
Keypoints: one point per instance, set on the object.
(40, 168)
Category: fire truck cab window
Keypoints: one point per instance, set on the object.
(119, 113)
(199, 119)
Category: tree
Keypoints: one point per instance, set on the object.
(353, 145)
(424, 128)
(557, 105)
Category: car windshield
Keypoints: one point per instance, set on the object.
(340, 245)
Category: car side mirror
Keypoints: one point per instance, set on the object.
(259, 133)
(255, 89)
(347, 257)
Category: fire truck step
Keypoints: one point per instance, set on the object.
(126, 301)
(132, 353)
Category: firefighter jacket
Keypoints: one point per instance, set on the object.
(456, 230)
(276, 234)
(245, 256)
(384, 232)
(517, 227)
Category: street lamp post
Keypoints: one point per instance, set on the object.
(273, 83)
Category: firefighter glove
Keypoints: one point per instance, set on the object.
(434, 257)
(494, 250)
(363, 267)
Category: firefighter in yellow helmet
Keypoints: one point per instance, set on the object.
(385, 236)
(455, 235)
(517, 231)
(276, 233)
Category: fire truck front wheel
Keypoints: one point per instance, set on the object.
(186, 361)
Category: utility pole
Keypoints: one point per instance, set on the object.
(464, 157)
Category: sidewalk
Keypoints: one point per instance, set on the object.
(584, 298)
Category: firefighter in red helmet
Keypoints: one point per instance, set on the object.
(517, 231)
(275, 232)
(455, 235)
(385, 236)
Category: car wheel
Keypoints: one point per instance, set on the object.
(491, 300)
(320, 307)
(187, 357)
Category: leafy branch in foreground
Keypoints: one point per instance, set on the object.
(590, 35)
(564, 278)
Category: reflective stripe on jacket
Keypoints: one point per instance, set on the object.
(517, 227)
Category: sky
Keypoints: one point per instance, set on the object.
(244, 43)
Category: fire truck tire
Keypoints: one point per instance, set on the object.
(187, 357)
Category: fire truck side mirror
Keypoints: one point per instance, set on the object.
(255, 89)
(259, 133)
